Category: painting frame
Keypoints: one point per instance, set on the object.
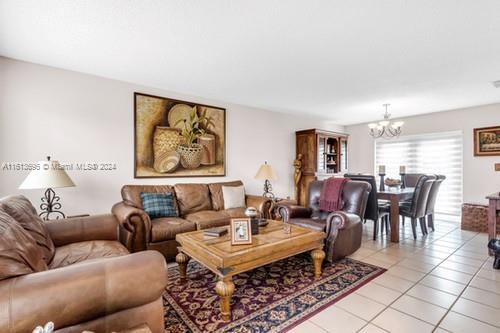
(236, 225)
(138, 175)
(478, 145)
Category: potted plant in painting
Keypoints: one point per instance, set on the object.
(190, 151)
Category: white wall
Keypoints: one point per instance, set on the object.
(479, 177)
(76, 117)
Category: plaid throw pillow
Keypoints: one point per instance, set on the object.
(159, 204)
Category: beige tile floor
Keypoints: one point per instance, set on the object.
(443, 282)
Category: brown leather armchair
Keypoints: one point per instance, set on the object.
(74, 273)
(200, 206)
(343, 228)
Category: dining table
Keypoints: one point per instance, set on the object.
(395, 195)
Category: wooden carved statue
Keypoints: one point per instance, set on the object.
(297, 175)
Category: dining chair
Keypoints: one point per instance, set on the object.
(375, 210)
(411, 179)
(416, 209)
(431, 202)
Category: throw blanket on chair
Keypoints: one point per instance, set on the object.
(330, 198)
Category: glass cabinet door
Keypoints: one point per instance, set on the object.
(343, 155)
(321, 154)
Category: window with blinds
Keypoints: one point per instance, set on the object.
(439, 153)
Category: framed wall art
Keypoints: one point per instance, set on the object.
(487, 141)
(175, 138)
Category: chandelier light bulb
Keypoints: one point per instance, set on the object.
(397, 124)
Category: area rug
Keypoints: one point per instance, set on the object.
(272, 298)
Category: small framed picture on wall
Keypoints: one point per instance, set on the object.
(487, 141)
(241, 231)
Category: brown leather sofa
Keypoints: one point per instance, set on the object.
(200, 206)
(343, 228)
(74, 273)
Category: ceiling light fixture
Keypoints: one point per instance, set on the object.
(385, 128)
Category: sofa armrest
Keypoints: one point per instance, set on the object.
(80, 293)
(79, 229)
(137, 222)
(262, 204)
(288, 211)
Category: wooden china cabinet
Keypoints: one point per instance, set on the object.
(324, 154)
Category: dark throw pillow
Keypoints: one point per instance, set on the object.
(159, 204)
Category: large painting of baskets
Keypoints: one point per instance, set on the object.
(177, 138)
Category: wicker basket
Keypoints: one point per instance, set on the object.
(474, 217)
(166, 139)
(190, 156)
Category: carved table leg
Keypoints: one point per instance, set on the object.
(225, 289)
(182, 260)
(317, 256)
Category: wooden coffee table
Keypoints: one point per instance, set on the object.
(225, 260)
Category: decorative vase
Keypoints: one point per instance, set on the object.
(190, 156)
(165, 140)
(207, 141)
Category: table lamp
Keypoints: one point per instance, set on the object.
(266, 173)
(47, 176)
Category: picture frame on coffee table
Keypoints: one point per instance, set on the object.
(241, 231)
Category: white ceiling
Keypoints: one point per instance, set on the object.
(335, 59)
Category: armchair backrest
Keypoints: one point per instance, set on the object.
(354, 197)
(371, 212)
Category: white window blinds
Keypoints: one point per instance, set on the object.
(439, 153)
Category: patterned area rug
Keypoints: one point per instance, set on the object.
(272, 298)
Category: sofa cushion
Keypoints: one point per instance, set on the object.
(131, 194)
(167, 228)
(159, 204)
(21, 210)
(216, 193)
(82, 251)
(234, 196)
(19, 252)
(208, 219)
(235, 212)
(192, 198)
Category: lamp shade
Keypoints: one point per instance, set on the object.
(266, 172)
(50, 174)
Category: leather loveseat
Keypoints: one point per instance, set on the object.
(200, 206)
(74, 273)
(343, 228)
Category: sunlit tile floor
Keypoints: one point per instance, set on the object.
(443, 282)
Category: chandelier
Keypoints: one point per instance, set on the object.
(385, 128)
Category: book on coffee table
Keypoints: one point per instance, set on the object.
(215, 232)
